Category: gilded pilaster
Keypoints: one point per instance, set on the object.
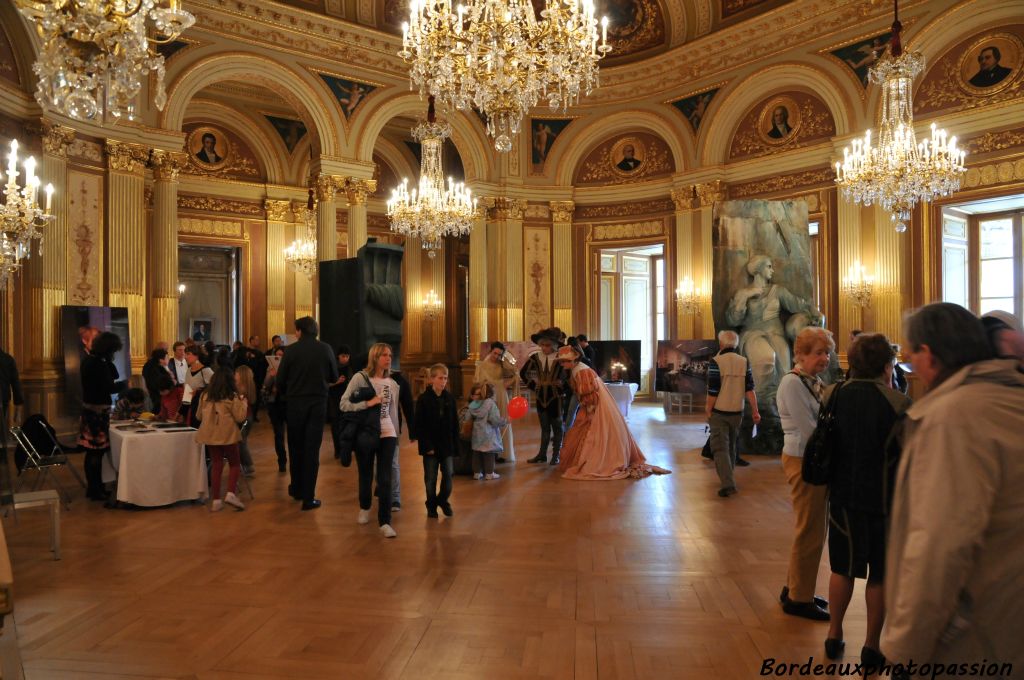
(163, 246)
(708, 194)
(326, 187)
(478, 285)
(892, 290)
(277, 219)
(126, 233)
(302, 286)
(505, 267)
(356, 192)
(561, 262)
(412, 342)
(848, 218)
(685, 201)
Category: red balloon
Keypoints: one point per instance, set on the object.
(518, 407)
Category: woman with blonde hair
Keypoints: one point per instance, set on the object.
(376, 445)
(222, 409)
(799, 400)
(246, 382)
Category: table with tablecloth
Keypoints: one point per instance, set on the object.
(623, 394)
(155, 467)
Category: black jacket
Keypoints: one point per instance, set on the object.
(152, 372)
(10, 385)
(307, 368)
(99, 381)
(405, 404)
(437, 423)
(863, 468)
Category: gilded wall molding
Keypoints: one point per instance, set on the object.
(618, 232)
(712, 192)
(995, 141)
(503, 208)
(994, 173)
(562, 211)
(86, 150)
(56, 138)
(627, 209)
(206, 227)
(126, 156)
(782, 182)
(212, 204)
(277, 211)
(684, 198)
(167, 164)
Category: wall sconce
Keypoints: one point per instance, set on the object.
(857, 285)
(432, 306)
(688, 297)
(181, 291)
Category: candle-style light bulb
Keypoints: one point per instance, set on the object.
(49, 197)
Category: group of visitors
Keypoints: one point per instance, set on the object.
(921, 499)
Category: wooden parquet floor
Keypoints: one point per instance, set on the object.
(535, 577)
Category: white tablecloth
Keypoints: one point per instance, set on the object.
(154, 467)
(623, 394)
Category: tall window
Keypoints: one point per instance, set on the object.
(998, 256)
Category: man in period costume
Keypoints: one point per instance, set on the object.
(546, 379)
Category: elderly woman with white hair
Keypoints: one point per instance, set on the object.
(729, 381)
(799, 400)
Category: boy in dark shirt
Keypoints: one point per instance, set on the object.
(437, 430)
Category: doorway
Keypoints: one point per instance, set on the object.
(210, 306)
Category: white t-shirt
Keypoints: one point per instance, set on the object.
(383, 388)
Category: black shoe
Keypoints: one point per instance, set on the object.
(555, 460)
(871, 659)
(311, 505)
(741, 463)
(806, 610)
(834, 648)
(539, 458)
(431, 512)
(499, 459)
(784, 598)
(728, 491)
(281, 467)
(446, 508)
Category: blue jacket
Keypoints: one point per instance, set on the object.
(487, 425)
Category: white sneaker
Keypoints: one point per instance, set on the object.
(233, 500)
(493, 475)
(217, 505)
(387, 531)
(478, 475)
(364, 517)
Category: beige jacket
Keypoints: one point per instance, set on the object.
(220, 421)
(955, 568)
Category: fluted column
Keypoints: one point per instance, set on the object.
(126, 239)
(277, 220)
(412, 340)
(561, 262)
(478, 285)
(707, 195)
(326, 187)
(356, 191)
(892, 286)
(685, 201)
(848, 218)
(46, 269)
(505, 268)
(163, 246)
(302, 285)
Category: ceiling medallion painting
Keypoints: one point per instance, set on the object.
(634, 26)
(980, 71)
(212, 151)
(627, 159)
(780, 123)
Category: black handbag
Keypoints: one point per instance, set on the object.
(816, 467)
(355, 422)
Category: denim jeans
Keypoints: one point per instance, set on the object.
(431, 465)
(376, 454)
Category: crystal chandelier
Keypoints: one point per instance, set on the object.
(498, 56)
(688, 297)
(21, 215)
(95, 52)
(300, 256)
(899, 172)
(434, 210)
(858, 286)
(432, 306)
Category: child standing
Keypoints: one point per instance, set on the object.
(437, 428)
(222, 410)
(487, 424)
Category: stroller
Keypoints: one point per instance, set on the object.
(38, 449)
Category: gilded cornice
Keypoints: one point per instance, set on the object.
(712, 192)
(207, 227)
(167, 164)
(56, 138)
(617, 232)
(126, 156)
(782, 182)
(277, 211)
(561, 211)
(625, 209)
(212, 204)
(994, 173)
(357, 190)
(995, 141)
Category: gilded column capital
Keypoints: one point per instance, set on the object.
(684, 198)
(325, 186)
(298, 211)
(167, 164)
(126, 156)
(357, 190)
(502, 208)
(562, 211)
(56, 138)
(712, 192)
(277, 211)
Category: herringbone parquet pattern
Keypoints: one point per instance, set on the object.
(534, 578)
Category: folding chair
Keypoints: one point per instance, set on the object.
(42, 462)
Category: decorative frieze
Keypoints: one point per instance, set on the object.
(205, 227)
(213, 204)
(618, 232)
(56, 138)
(503, 208)
(277, 211)
(783, 182)
(562, 211)
(994, 173)
(627, 209)
(995, 141)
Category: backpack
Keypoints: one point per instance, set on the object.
(817, 463)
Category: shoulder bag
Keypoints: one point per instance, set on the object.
(817, 464)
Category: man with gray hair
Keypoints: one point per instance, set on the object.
(729, 381)
(953, 587)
